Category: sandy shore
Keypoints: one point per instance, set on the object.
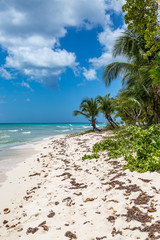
(57, 195)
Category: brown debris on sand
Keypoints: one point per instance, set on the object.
(51, 214)
(62, 197)
(70, 235)
(32, 230)
(135, 213)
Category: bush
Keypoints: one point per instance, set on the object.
(140, 148)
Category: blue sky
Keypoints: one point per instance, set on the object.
(52, 54)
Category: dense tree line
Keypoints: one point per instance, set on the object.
(138, 102)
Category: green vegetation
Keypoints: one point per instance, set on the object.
(94, 155)
(142, 16)
(89, 109)
(140, 148)
(106, 106)
(138, 102)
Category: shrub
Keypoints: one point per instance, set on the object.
(140, 148)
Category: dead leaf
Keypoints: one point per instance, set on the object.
(6, 211)
(11, 227)
(45, 228)
(89, 199)
(126, 194)
(152, 209)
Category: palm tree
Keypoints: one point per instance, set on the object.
(89, 109)
(129, 108)
(132, 47)
(155, 70)
(134, 104)
(106, 106)
(136, 69)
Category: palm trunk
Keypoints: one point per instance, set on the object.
(113, 122)
(110, 120)
(93, 123)
(130, 116)
(156, 104)
(148, 116)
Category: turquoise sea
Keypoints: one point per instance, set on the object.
(17, 140)
(12, 135)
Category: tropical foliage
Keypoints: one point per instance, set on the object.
(140, 148)
(89, 109)
(138, 102)
(155, 70)
(106, 105)
(142, 16)
(140, 93)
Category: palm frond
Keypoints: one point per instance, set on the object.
(130, 45)
(113, 70)
(76, 112)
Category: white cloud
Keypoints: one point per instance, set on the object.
(30, 32)
(90, 74)
(25, 84)
(105, 59)
(34, 62)
(115, 5)
(107, 39)
(4, 73)
(28, 100)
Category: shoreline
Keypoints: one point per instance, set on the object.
(55, 195)
(19, 153)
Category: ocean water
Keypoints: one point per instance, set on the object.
(12, 135)
(17, 140)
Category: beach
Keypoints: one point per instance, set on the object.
(54, 194)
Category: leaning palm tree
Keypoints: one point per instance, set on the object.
(129, 108)
(106, 106)
(89, 109)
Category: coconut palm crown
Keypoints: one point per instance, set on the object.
(132, 47)
(106, 106)
(89, 109)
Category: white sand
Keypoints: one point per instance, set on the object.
(76, 199)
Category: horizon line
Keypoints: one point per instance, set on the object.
(47, 122)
